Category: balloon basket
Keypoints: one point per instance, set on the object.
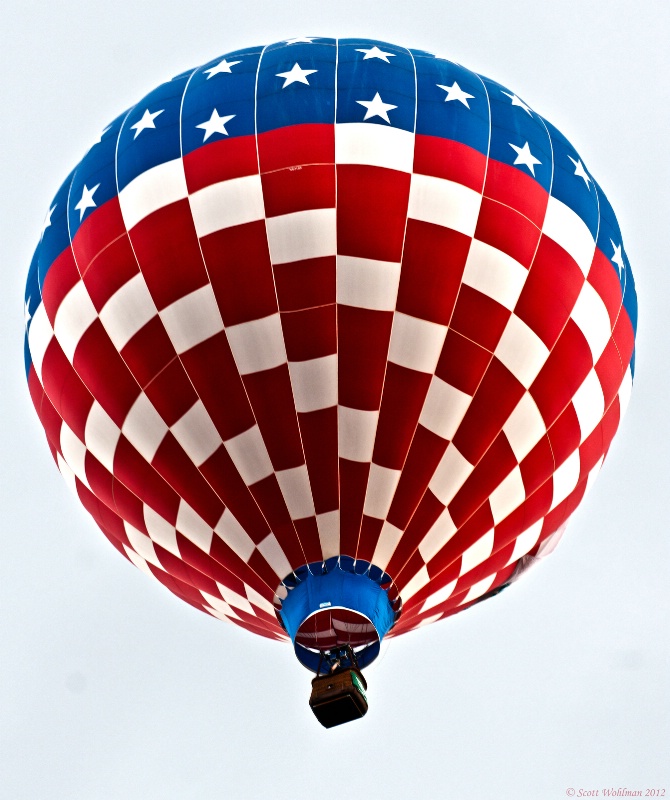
(339, 697)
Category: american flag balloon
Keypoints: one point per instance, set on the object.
(330, 337)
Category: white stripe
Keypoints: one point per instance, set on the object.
(367, 283)
(382, 484)
(569, 231)
(421, 579)
(234, 535)
(494, 273)
(197, 434)
(593, 320)
(566, 478)
(524, 427)
(101, 435)
(144, 427)
(235, 599)
(258, 600)
(223, 205)
(507, 496)
(142, 544)
(40, 335)
(74, 452)
(297, 492)
(526, 541)
(314, 383)
(450, 475)
(441, 531)
(194, 527)
(443, 202)
(160, 531)
(389, 538)
(73, 318)
(439, 596)
(301, 235)
(192, 319)
(137, 560)
(443, 408)
(128, 310)
(157, 187)
(250, 455)
(328, 524)
(257, 345)
(477, 553)
(416, 343)
(522, 351)
(271, 551)
(356, 432)
(375, 145)
(478, 589)
(589, 403)
(220, 606)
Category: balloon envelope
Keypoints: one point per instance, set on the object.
(330, 308)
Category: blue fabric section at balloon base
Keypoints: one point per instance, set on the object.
(337, 589)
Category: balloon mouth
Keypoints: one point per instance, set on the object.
(340, 602)
(333, 627)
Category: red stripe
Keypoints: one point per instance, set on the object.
(168, 253)
(299, 189)
(371, 211)
(496, 397)
(59, 280)
(479, 318)
(221, 160)
(295, 145)
(404, 394)
(507, 230)
(363, 341)
(508, 185)
(238, 263)
(563, 373)
(424, 455)
(311, 333)
(306, 284)
(319, 439)
(547, 300)
(432, 267)
(271, 398)
(450, 160)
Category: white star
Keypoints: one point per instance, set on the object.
(525, 157)
(375, 52)
(581, 172)
(454, 92)
(296, 75)
(221, 67)
(215, 124)
(147, 121)
(47, 220)
(26, 313)
(301, 40)
(517, 102)
(86, 201)
(617, 258)
(376, 108)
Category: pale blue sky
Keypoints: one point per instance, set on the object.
(112, 688)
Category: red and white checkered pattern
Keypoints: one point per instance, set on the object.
(253, 360)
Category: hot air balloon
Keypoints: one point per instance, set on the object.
(330, 337)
